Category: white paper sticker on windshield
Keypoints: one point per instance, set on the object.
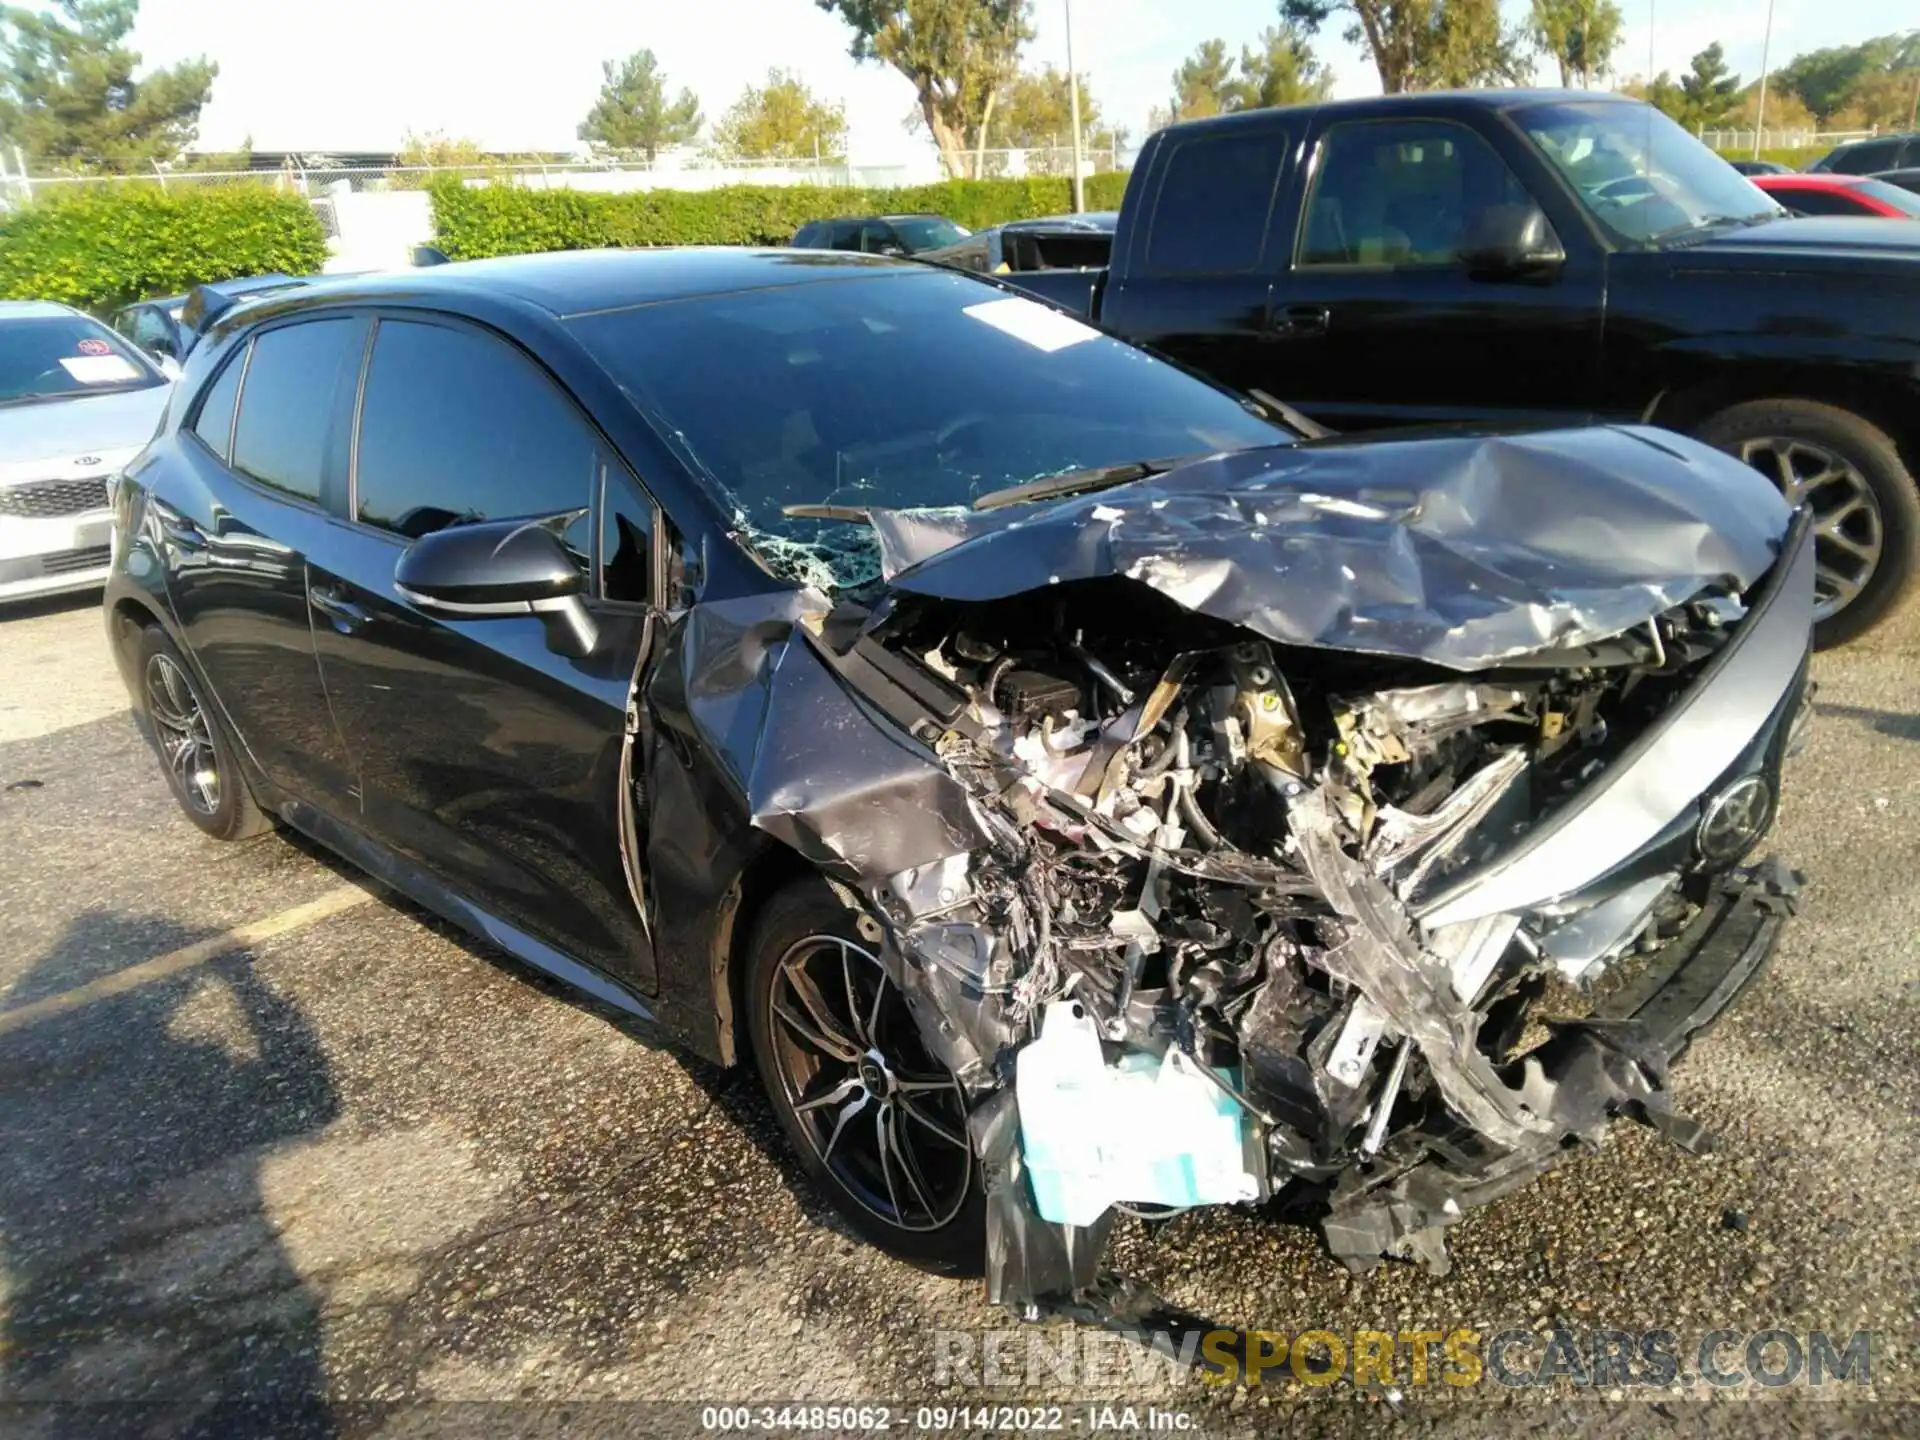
(100, 369)
(1026, 320)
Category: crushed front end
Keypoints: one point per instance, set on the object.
(1374, 920)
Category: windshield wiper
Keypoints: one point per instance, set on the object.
(853, 514)
(1705, 222)
(1077, 482)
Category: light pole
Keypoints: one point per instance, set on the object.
(1760, 115)
(1073, 113)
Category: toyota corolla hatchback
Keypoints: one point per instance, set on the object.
(76, 403)
(1069, 786)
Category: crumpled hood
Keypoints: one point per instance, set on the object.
(84, 425)
(1459, 550)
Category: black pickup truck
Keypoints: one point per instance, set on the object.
(1518, 257)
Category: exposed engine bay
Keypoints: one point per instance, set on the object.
(1197, 915)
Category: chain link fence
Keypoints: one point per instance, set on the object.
(1741, 142)
(319, 178)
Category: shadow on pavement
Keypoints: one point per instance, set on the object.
(1899, 725)
(141, 1275)
(50, 604)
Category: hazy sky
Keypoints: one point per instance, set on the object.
(357, 74)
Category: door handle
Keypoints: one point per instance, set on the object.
(1292, 322)
(331, 601)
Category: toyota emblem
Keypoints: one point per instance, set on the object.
(88, 460)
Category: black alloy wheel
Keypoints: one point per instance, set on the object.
(192, 744)
(1866, 509)
(877, 1121)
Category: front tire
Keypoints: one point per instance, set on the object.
(196, 753)
(1865, 504)
(877, 1122)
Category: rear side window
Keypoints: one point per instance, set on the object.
(1211, 214)
(1865, 159)
(456, 426)
(294, 383)
(214, 423)
(1818, 202)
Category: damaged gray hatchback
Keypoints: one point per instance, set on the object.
(1078, 791)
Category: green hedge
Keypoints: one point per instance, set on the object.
(1799, 157)
(473, 222)
(102, 248)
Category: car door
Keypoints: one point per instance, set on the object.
(1378, 319)
(1196, 279)
(263, 446)
(485, 755)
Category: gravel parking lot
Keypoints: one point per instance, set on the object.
(270, 1136)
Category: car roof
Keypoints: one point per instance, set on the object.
(575, 282)
(36, 310)
(1821, 181)
(1875, 140)
(1426, 100)
(1093, 221)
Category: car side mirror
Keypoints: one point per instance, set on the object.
(497, 568)
(1505, 242)
(169, 366)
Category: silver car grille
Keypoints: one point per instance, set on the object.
(50, 499)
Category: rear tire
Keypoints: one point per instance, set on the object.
(881, 1131)
(196, 754)
(1865, 504)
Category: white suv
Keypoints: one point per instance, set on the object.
(77, 402)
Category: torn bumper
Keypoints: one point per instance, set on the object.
(1615, 1063)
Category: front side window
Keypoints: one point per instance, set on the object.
(1401, 193)
(626, 542)
(927, 232)
(151, 329)
(876, 238)
(1211, 214)
(457, 426)
(57, 357)
(1642, 177)
(294, 384)
(792, 395)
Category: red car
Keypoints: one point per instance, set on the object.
(1840, 195)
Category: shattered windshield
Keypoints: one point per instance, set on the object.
(1640, 175)
(903, 389)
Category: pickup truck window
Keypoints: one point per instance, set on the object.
(1210, 217)
(1392, 192)
(1641, 176)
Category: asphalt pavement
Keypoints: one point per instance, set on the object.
(279, 1154)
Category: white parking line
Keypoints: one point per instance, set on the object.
(253, 932)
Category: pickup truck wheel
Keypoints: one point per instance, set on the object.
(877, 1122)
(1865, 505)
